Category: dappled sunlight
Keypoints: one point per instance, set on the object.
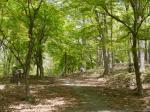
(74, 55)
(83, 82)
(105, 111)
(46, 105)
(71, 94)
(36, 88)
(2, 87)
(80, 85)
(146, 86)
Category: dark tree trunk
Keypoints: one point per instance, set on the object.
(37, 65)
(98, 57)
(65, 65)
(41, 63)
(149, 52)
(27, 68)
(28, 57)
(136, 66)
(37, 70)
(103, 36)
(105, 50)
(146, 50)
(91, 61)
(106, 62)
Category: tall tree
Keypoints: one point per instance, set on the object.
(31, 9)
(139, 15)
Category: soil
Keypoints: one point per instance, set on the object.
(76, 93)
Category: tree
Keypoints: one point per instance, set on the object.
(139, 16)
(48, 25)
(103, 32)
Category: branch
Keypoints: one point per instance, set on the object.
(12, 51)
(3, 37)
(143, 18)
(125, 36)
(26, 12)
(37, 9)
(43, 28)
(18, 58)
(29, 11)
(116, 18)
(142, 21)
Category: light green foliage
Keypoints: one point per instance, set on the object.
(68, 26)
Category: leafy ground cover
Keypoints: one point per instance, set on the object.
(77, 93)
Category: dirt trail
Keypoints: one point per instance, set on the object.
(93, 96)
(74, 94)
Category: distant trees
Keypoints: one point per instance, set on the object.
(139, 11)
(24, 30)
(103, 34)
(132, 18)
(74, 34)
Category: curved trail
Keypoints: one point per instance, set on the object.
(80, 94)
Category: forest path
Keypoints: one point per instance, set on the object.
(73, 94)
(93, 96)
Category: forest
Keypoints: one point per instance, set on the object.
(74, 55)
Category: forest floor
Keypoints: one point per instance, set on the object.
(75, 93)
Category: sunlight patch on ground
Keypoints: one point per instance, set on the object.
(146, 86)
(105, 111)
(92, 74)
(2, 87)
(36, 88)
(78, 85)
(84, 82)
(47, 105)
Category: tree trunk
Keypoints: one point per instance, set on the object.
(91, 61)
(37, 65)
(65, 65)
(105, 50)
(7, 62)
(103, 33)
(28, 57)
(106, 62)
(110, 58)
(37, 70)
(142, 55)
(27, 68)
(149, 52)
(130, 59)
(97, 57)
(146, 51)
(41, 63)
(111, 38)
(136, 66)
